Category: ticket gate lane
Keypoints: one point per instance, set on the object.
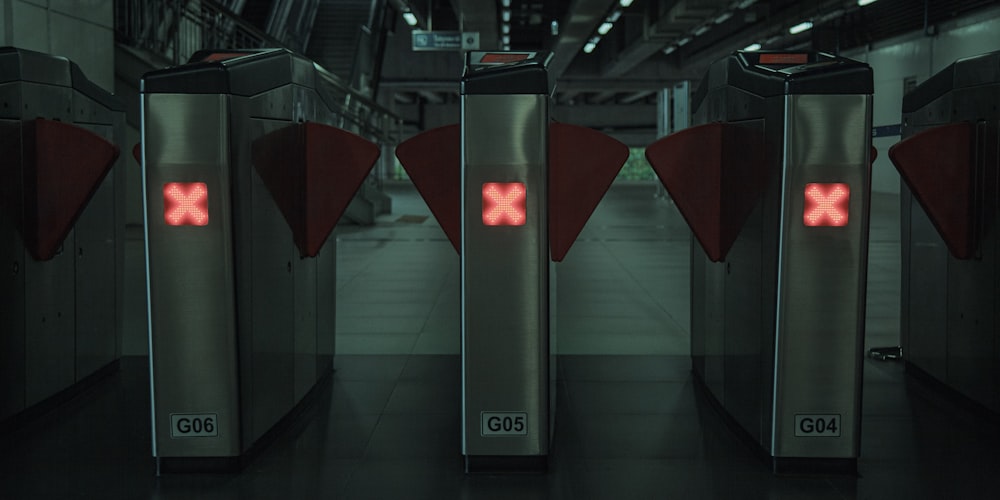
(948, 160)
(62, 213)
(511, 222)
(244, 183)
(784, 222)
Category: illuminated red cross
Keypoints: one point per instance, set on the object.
(504, 204)
(185, 203)
(826, 204)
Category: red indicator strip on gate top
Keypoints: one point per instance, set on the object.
(504, 204)
(826, 204)
(185, 203)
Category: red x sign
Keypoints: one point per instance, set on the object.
(504, 203)
(826, 204)
(185, 203)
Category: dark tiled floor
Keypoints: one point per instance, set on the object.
(631, 422)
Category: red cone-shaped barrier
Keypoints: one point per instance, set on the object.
(433, 161)
(63, 166)
(582, 165)
(312, 171)
(716, 174)
(938, 166)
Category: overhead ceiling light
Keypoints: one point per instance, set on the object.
(505, 39)
(589, 47)
(701, 30)
(752, 47)
(615, 15)
(605, 28)
(724, 17)
(799, 28)
(862, 3)
(410, 18)
(506, 15)
(625, 3)
(506, 3)
(555, 27)
(683, 41)
(746, 3)
(670, 49)
(505, 28)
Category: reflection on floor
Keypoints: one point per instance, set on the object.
(631, 422)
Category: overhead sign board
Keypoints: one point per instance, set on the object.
(445, 40)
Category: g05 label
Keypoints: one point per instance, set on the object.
(504, 423)
(184, 425)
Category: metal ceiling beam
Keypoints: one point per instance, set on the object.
(583, 17)
(676, 22)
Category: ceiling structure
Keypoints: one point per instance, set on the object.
(648, 45)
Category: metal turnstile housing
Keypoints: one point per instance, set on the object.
(777, 318)
(241, 319)
(508, 280)
(60, 314)
(949, 301)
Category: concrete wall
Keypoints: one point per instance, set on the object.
(81, 30)
(918, 56)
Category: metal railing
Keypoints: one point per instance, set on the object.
(176, 29)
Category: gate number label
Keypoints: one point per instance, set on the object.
(817, 425)
(183, 425)
(504, 423)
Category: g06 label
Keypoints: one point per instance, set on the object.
(504, 423)
(817, 425)
(183, 425)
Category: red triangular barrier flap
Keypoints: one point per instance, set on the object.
(716, 175)
(433, 161)
(582, 165)
(63, 167)
(312, 171)
(938, 166)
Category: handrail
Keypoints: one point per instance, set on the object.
(176, 29)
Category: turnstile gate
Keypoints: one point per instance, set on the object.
(774, 181)
(244, 180)
(511, 190)
(948, 160)
(62, 223)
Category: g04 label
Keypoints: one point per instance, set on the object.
(183, 425)
(817, 425)
(504, 423)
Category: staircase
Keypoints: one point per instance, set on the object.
(334, 39)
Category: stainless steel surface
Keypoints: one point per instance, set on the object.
(822, 276)
(61, 318)
(950, 306)
(506, 275)
(270, 334)
(190, 274)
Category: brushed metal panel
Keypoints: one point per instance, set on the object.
(924, 299)
(744, 327)
(49, 324)
(50, 292)
(822, 276)
(190, 273)
(97, 273)
(304, 348)
(505, 274)
(708, 314)
(326, 303)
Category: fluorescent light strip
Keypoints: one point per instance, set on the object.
(625, 3)
(410, 18)
(752, 47)
(605, 28)
(799, 28)
(862, 3)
